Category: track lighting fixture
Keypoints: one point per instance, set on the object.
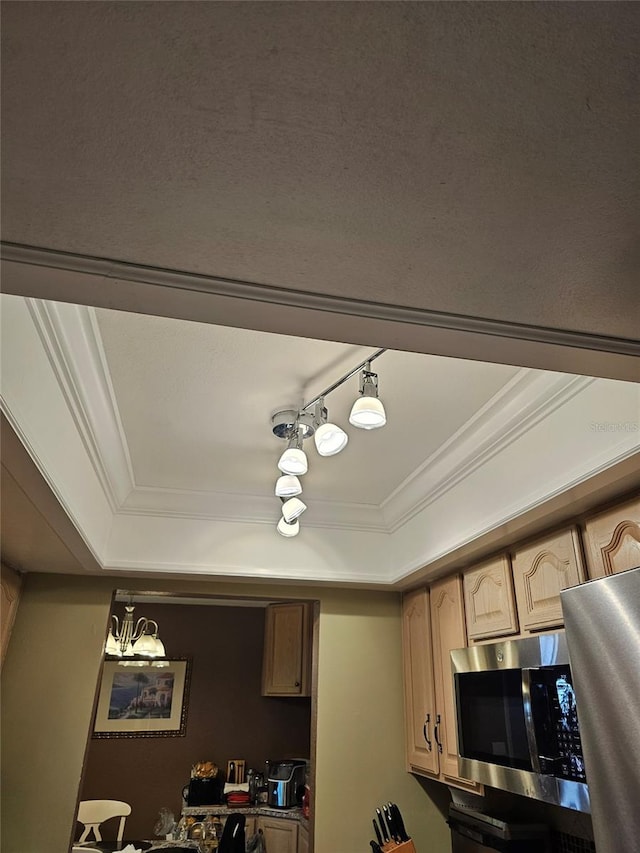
(312, 419)
(367, 411)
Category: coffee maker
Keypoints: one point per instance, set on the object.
(285, 782)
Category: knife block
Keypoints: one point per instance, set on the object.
(403, 847)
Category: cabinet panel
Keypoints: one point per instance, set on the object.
(303, 839)
(418, 682)
(540, 572)
(489, 600)
(448, 632)
(287, 650)
(612, 540)
(10, 583)
(280, 836)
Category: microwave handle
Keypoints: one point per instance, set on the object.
(529, 721)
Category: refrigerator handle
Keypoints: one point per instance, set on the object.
(529, 720)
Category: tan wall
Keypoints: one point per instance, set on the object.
(49, 681)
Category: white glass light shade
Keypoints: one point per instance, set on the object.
(292, 509)
(160, 651)
(145, 646)
(330, 439)
(293, 461)
(367, 413)
(288, 486)
(160, 663)
(286, 529)
(112, 647)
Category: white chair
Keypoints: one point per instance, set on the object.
(94, 812)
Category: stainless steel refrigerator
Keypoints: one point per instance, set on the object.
(602, 621)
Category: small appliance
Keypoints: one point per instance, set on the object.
(285, 782)
(518, 720)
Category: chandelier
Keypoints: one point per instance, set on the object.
(312, 419)
(128, 639)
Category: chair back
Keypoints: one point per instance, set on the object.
(94, 812)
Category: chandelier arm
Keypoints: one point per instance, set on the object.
(343, 379)
(139, 630)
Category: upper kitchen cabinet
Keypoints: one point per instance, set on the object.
(540, 572)
(612, 540)
(433, 625)
(286, 669)
(489, 601)
(420, 703)
(10, 583)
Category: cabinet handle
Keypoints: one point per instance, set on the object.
(435, 732)
(297, 684)
(425, 731)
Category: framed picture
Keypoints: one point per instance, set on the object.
(143, 700)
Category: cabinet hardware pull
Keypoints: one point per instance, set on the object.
(297, 684)
(435, 732)
(425, 731)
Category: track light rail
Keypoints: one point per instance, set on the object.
(342, 379)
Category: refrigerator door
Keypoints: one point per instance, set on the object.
(602, 621)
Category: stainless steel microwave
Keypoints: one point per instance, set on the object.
(517, 719)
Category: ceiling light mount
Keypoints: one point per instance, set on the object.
(285, 423)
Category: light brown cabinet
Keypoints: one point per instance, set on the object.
(489, 601)
(540, 572)
(10, 584)
(286, 669)
(280, 836)
(612, 540)
(419, 688)
(433, 625)
(303, 838)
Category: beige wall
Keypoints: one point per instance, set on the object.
(49, 682)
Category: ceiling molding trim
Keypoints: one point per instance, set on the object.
(108, 269)
(517, 515)
(522, 403)
(72, 342)
(219, 506)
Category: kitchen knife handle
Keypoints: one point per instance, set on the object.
(425, 731)
(435, 732)
(376, 829)
(399, 822)
(388, 818)
(383, 826)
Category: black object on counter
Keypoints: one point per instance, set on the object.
(377, 832)
(233, 840)
(398, 822)
(375, 847)
(205, 792)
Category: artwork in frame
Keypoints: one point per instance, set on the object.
(143, 700)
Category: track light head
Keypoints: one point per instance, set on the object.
(292, 509)
(367, 411)
(294, 460)
(288, 529)
(329, 438)
(287, 486)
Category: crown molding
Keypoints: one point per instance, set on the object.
(72, 343)
(516, 408)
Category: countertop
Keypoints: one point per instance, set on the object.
(254, 811)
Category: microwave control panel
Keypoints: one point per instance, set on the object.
(555, 717)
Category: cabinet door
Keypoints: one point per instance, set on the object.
(540, 572)
(303, 839)
(287, 650)
(489, 601)
(419, 702)
(10, 583)
(448, 631)
(280, 836)
(612, 540)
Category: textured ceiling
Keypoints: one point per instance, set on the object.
(475, 158)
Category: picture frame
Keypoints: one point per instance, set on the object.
(138, 699)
